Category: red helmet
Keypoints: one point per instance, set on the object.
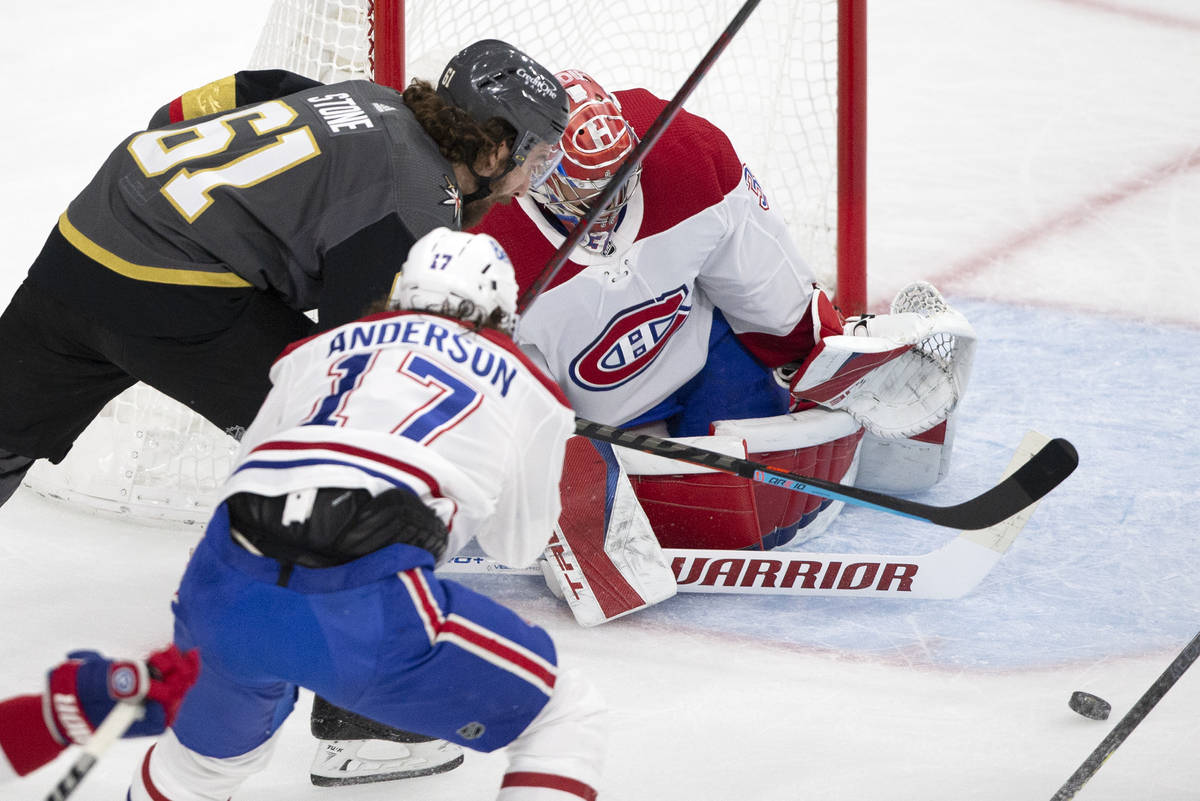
(596, 143)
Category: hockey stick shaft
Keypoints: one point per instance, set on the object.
(1044, 471)
(597, 206)
(1127, 724)
(116, 724)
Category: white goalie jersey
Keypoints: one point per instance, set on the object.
(626, 331)
(423, 402)
(621, 332)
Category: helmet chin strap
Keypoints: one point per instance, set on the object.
(484, 183)
(483, 187)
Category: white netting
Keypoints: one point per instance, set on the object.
(325, 40)
(145, 456)
(951, 345)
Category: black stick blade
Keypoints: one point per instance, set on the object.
(1044, 471)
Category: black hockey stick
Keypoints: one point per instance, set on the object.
(1131, 720)
(1044, 471)
(108, 732)
(635, 158)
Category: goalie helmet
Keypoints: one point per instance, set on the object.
(468, 276)
(491, 78)
(596, 143)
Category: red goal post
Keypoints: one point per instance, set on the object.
(789, 90)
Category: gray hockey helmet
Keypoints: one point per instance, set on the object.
(491, 78)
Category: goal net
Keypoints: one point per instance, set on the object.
(788, 90)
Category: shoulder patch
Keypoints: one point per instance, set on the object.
(453, 198)
(754, 186)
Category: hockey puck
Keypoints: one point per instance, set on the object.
(1090, 706)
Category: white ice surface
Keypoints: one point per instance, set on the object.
(1038, 159)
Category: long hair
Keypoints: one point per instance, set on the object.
(458, 136)
(464, 312)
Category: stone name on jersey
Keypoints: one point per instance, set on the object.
(340, 112)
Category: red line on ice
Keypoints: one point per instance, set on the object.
(1078, 214)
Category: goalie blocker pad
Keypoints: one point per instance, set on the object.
(689, 506)
(905, 466)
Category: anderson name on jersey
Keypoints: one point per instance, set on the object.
(458, 416)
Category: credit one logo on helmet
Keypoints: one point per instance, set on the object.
(538, 83)
(629, 343)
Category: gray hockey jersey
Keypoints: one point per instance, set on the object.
(315, 196)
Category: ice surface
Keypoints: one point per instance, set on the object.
(1037, 159)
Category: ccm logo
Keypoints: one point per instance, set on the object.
(810, 573)
(632, 340)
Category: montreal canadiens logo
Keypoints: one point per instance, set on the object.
(123, 681)
(632, 340)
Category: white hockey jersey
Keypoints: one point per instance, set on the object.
(421, 401)
(623, 332)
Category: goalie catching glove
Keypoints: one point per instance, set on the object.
(897, 374)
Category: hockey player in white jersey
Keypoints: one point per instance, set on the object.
(383, 446)
(676, 315)
(672, 316)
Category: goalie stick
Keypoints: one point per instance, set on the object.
(119, 719)
(1132, 718)
(947, 572)
(1044, 471)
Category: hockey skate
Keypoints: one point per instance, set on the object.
(341, 762)
(355, 750)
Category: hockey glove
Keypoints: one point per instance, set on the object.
(83, 690)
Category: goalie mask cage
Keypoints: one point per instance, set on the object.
(789, 91)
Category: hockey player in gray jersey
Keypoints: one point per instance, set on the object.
(191, 258)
